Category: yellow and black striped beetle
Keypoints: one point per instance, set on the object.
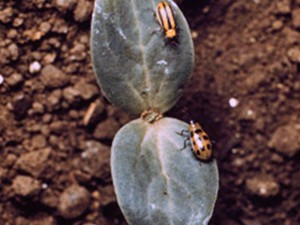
(201, 144)
(165, 17)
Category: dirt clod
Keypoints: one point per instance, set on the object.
(277, 25)
(43, 220)
(283, 7)
(73, 201)
(86, 90)
(263, 186)
(14, 51)
(285, 139)
(21, 105)
(91, 160)
(294, 54)
(6, 15)
(14, 79)
(34, 162)
(53, 77)
(38, 142)
(50, 198)
(106, 129)
(71, 95)
(64, 5)
(26, 186)
(83, 10)
(53, 100)
(37, 107)
(296, 18)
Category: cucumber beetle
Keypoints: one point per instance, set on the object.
(165, 17)
(199, 140)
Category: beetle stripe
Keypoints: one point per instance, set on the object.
(164, 16)
(170, 14)
(167, 24)
(158, 14)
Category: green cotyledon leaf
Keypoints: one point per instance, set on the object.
(156, 182)
(136, 66)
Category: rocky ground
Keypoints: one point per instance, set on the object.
(56, 127)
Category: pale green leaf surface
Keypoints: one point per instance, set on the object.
(136, 68)
(156, 182)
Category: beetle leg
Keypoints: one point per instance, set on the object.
(156, 31)
(184, 133)
(185, 144)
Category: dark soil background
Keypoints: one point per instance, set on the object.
(56, 127)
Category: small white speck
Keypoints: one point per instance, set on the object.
(250, 112)
(105, 15)
(44, 186)
(162, 62)
(35, 67)
(263, 190)
(195, 34)
(256, 1)
(237, 135)
(122, 34)
(234, 150)
(153, 206)
(167, 71)
(1, 79)
(233, 102)
(83, 155)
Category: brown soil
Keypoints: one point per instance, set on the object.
(56, 127)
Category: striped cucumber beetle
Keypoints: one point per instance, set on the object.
(165, 17)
